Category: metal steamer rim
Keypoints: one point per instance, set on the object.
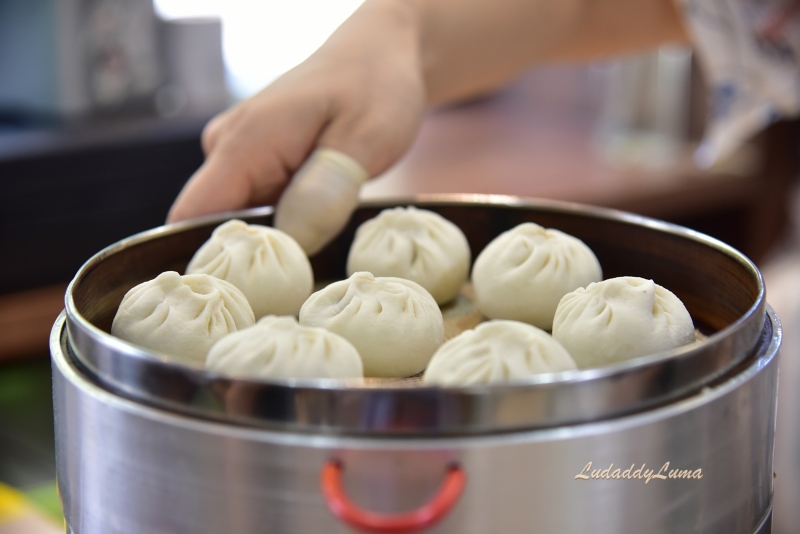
(722, 289)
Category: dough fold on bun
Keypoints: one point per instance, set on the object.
(278, 347)
(394, 324)
(619, 319)
(181, 316)
(414, 244)
(496, 352)
(267, 265)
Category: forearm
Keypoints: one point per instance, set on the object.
(467, 47)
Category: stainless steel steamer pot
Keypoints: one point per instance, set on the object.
(675, 442)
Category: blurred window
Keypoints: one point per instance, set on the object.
(261, 39)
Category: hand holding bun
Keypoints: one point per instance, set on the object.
(414, 244)
(394, 324)
(278, 347)
(497, 351)
(619, 319)
(181, 316)
(523, 273)
(267, 265)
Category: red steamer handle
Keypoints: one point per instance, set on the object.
(413, 521)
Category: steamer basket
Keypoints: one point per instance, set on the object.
(721, 288)
(144, 445)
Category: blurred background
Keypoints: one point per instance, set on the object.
(102, 103)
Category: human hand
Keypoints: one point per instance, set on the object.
(361, 94)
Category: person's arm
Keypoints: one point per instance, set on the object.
(472, 46)
(364, 92)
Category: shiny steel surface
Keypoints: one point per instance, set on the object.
(124, 467)
(722, 289)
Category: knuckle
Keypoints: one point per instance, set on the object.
(212, 130)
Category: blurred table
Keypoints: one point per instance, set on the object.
(511, 144)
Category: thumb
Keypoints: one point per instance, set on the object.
(320, 198)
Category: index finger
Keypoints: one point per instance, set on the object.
(225, 182)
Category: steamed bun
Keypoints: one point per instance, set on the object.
(619, 319)
(267, 265)
(278, 347)
(414, 244)
(523, 273)
(181, 316)
(394, 324)
(497, 351)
